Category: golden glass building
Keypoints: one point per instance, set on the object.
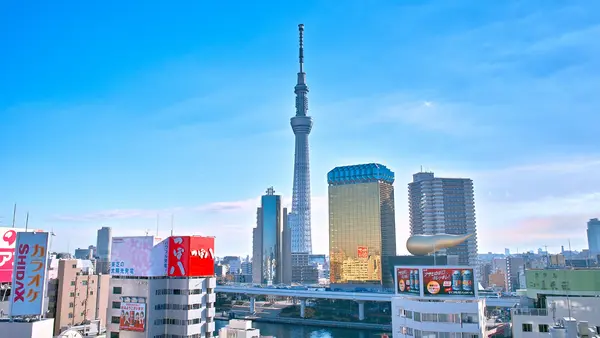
(362, 226)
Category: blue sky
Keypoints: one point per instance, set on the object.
(112, 113)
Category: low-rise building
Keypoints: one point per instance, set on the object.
(239, 329)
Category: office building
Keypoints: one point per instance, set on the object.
(268, 240)
(303, 272)
(167, 290)
(444, 206)
(77, 295)
(593, 236)
(87, 253)
(103, 247)
(362, 227)
(300, 218)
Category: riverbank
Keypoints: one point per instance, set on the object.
(313, 322)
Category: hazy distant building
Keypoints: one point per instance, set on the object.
(87, 253)
(103, 247)
(362, 226)
(267, 246)
(444, 205)
(593, 236)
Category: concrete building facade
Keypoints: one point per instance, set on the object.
(444, 206)
(175, 307)
(77, 296)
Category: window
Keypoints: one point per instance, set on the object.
(70, 315)
(114, 335)
(84, 282)
(543, 328)
(72, 283)
(115, 319)
(117, 290)
(72, 294)
(71, 305)
(74, 266)
(527, 327)
(116, 305)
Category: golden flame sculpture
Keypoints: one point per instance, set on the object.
(421, 245)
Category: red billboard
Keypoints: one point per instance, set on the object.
(408, 281)
(458, 281)
(191, 256)
(202, 256)
(363, 252)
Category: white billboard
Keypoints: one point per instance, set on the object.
(29, 274)
(131, 256)
(8, 238)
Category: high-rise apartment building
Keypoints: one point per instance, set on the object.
(444, 206)
(362, 226)
(267, 246)
(593, 236)
(300, 217)
(77, 296)
(103, 247)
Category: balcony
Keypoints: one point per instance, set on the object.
(210, 326)
(210, 312)
(210, 298)
(529, 312)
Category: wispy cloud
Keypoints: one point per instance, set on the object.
(123, 214)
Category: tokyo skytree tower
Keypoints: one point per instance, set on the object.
(299, 218)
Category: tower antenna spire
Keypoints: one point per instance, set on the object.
(301, 48)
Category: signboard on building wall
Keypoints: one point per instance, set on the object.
(449, 281)
(159, 257)
(179, 253)
(191, 256)
(362, 252)
(8, 239)
(29, 274)
(408, 281)
(202, 256)
(133, 317)
(131, 256)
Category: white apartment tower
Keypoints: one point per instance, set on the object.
(444, 206)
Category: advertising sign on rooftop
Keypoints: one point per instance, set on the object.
(408, 281)
(191, 256)
(8, 238)
(131, 256)
(29, 274)
(449, 281)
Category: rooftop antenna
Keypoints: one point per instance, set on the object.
(301, 48)
(421, 168)
(172, 220)
(27, 222)
(14, 215)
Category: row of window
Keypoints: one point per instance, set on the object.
(430, 334)
(171, 306)
(195, 335)
(469, 318)
(174, 321)
(541, 328)
(180, 291)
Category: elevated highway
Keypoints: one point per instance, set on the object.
(354, 296)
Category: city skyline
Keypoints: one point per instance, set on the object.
(135, 124)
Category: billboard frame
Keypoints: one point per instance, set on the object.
(422, 286)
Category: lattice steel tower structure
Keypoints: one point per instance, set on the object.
(299, 220)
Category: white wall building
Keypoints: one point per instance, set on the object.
(35, 329)
(416, 317)
(239, 329)
(534, 323)
(174, 306)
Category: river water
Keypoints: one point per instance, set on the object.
(302, 331)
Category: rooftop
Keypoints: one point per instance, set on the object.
(360, 173)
